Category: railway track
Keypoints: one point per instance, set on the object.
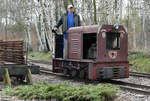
(132, 87)
(48, 71)
(137, 74)
(136, 88)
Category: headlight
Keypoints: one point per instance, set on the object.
(103, 31)
(116, 26)
(103, 34)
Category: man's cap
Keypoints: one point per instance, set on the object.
(70, 6)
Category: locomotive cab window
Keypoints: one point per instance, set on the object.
(112, 41)
(89, 46)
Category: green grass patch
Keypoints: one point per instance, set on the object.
(42, 56)
(140, 61)
(64, 92)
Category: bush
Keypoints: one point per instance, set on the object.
(140, 61)
(64, 92)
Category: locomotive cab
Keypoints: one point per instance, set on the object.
(89, 46)
(96, 52)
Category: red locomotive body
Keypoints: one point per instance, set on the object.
(94, 52)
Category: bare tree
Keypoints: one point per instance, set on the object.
(32, 20)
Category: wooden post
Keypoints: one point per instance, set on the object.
(28, 77)
(7, 77)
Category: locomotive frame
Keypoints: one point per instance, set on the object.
(107, 60)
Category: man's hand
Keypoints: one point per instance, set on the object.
(54, 29)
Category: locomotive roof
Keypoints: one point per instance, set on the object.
(94, 29)
(88, 29)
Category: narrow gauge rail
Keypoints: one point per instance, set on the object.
(137, 74)
(48, 71)
(132, 87)
(137, 88)
(142, 89)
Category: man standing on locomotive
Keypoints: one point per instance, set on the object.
(68, 20)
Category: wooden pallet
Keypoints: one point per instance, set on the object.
(12, 51)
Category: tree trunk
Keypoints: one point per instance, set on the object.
(95, 16)
(41, 47)
(145, 40)
(134, 36)
(65, 3)
(43, 37)
(29, 41)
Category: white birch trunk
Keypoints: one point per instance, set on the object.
(41, 47)
(43, 33)
(42, 27)
(145, 40)
(49, 35)
(134, 36)
(29, 41)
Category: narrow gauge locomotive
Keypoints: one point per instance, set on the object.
(94, 52)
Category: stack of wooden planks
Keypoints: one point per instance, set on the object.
(2, 47)
(14, 52)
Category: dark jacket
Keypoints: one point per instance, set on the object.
(64, 22)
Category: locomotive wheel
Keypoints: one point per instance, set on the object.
(86, 74)
(82, 74)
(73, 73)
(65, 71)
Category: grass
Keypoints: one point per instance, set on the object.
(42, 56)
(140, 61)
(64, 92)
